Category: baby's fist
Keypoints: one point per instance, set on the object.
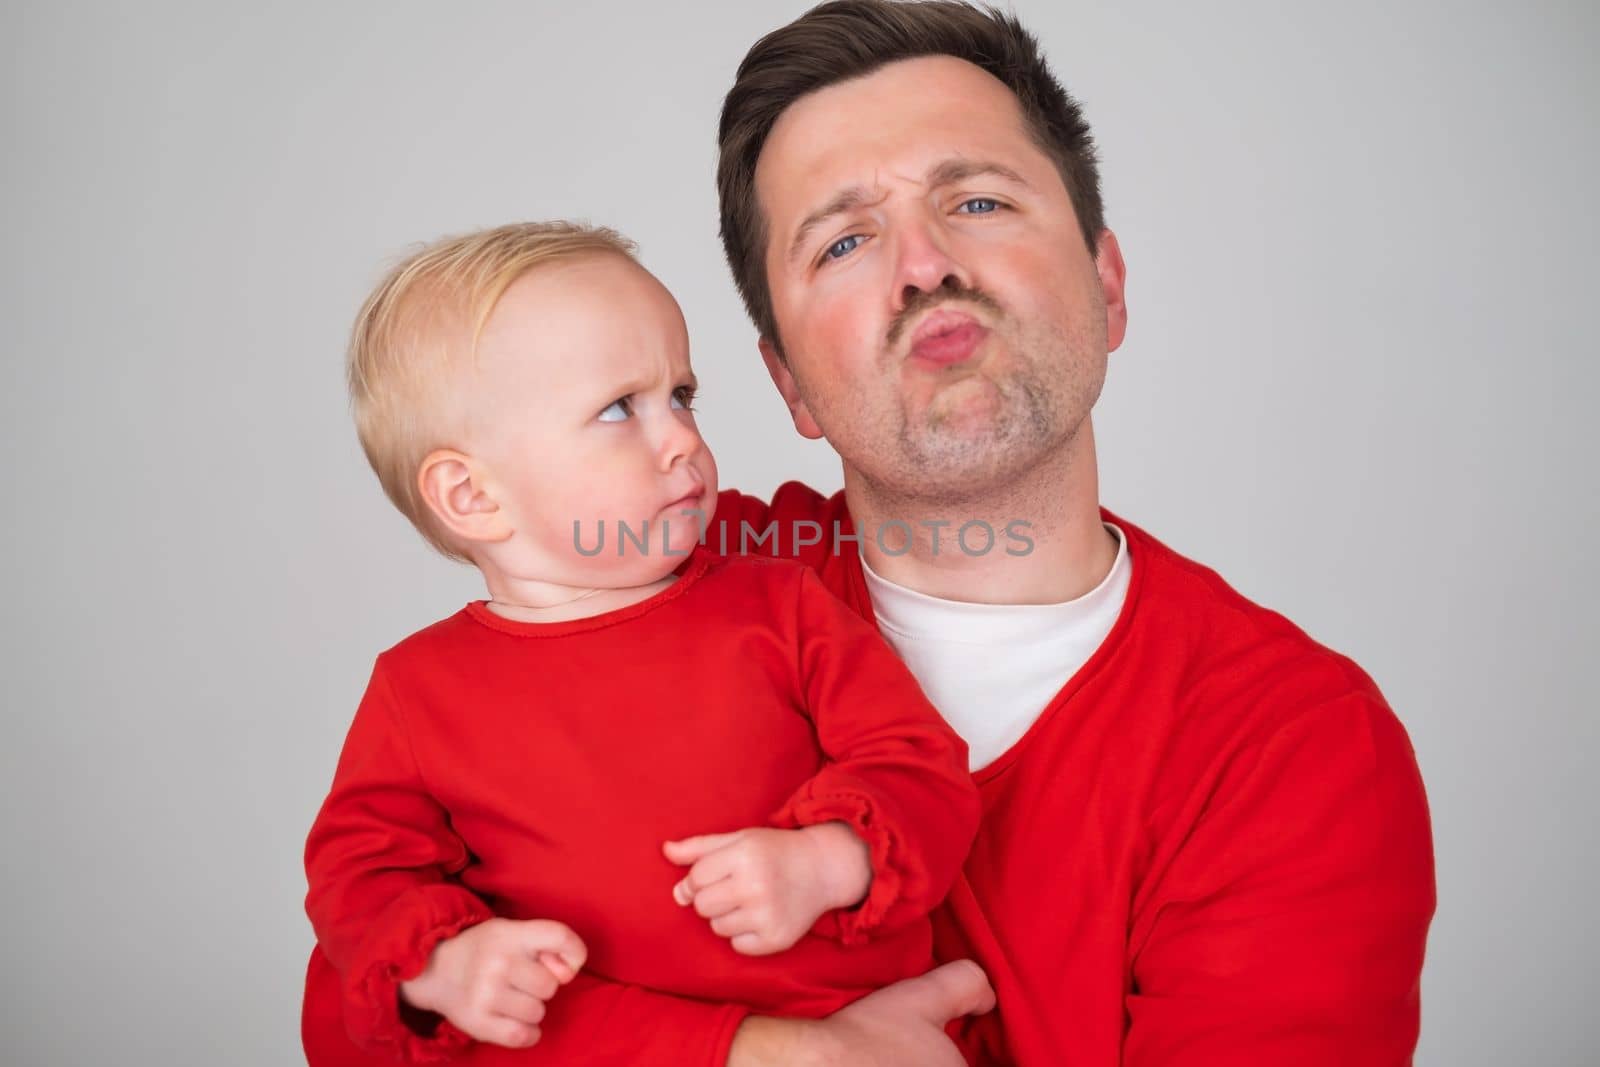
(492, 980)
(763, 889)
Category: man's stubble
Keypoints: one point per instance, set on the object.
(987, 435)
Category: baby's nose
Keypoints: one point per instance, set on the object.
(678, 443)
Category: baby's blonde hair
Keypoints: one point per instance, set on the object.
(422, 323)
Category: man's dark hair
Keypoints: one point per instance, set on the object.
(844, 39)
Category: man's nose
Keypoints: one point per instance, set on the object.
(924, 262)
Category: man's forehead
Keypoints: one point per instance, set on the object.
(894, 126)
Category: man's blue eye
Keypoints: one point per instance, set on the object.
(617, 411)
(842, 247)
(979, 206)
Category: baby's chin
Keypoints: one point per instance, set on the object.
(679, 525)
(680, 536)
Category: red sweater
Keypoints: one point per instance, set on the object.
(1212, 848)
(533, 771)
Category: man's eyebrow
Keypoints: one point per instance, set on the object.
(845, 200)
(960, 169)
(948, 172)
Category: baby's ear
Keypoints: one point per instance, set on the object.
(455, 490)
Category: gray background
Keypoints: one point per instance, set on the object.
(1358, 379)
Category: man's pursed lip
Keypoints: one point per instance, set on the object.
(947, 337)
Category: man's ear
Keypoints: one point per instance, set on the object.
(1113, 287)
(453, 489)
(804, 424)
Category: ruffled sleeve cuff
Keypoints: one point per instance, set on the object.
(854, 926)
(396, 949)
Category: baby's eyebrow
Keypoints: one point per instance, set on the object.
(634, 386)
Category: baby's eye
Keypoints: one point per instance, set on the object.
(978, 205)
(842, 247)
(618, 410)
(683, 397)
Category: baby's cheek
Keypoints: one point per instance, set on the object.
(708, 474)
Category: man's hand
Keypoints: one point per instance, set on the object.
(763, 889)
(899, 1024)
(492, 980)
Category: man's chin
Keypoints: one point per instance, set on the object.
(946, 472)
(974, 456)
(971, 406)
(964, 428)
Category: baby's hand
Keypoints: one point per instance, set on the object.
(492, 980)
(763, 889)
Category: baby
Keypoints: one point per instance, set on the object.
(694, 775)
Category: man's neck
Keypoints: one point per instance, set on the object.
(1049, 545)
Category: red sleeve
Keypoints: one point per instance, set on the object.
(590, 1022)
(597, 1023)
(1288, 925)
(380, 861)
(896, 773)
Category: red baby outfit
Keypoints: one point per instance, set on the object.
(534, 770)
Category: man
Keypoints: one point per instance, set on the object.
(1205, 838)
